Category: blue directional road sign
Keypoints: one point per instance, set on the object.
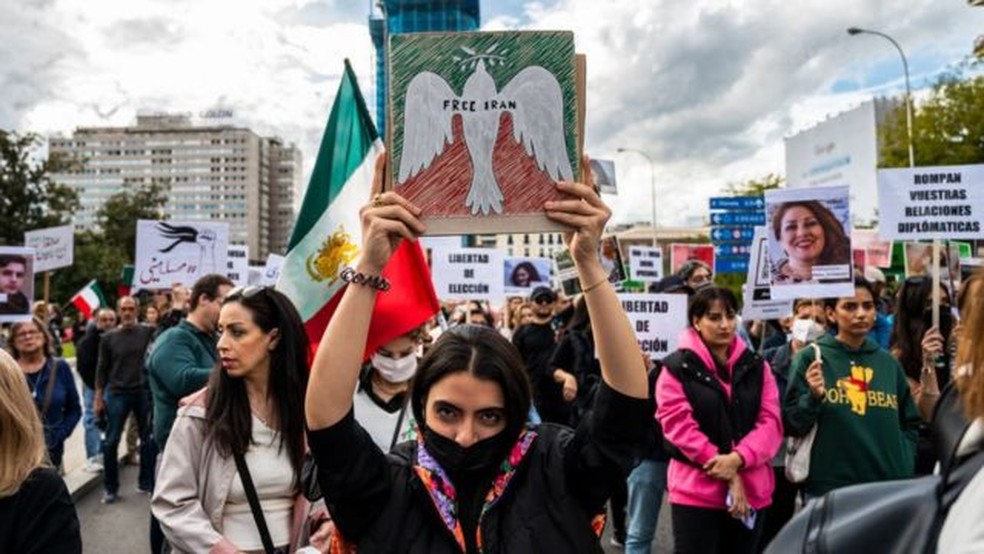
(730, 264)
(738, 218)
(732, 249)
(732, 234)
(748, 203)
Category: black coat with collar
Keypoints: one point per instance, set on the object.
(380, 504)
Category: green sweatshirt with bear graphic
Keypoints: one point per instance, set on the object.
(866, 421)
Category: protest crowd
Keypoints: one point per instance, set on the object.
(385, 394)
(526, 425)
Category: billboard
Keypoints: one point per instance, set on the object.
(842, 150)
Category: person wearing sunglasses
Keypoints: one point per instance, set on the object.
(241, 436)
(479, 477)
(536, 342)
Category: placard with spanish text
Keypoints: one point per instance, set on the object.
(657, 319)
(468, 274)
(942, 202)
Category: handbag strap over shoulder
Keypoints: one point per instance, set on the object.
(254, 504)
(49, 392)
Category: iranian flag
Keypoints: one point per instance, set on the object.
(327, 236)
(89, 299)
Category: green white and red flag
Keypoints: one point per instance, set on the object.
(89, 299)
(328, 233)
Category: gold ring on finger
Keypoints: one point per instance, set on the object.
(377, 201)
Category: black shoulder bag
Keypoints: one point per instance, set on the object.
(890, 516)
(254, 504)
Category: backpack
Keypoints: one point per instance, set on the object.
(888, 516)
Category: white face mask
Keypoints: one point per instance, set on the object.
(395, 371)
(807, 330)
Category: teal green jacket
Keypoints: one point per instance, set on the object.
(867, 423)
(179, 363)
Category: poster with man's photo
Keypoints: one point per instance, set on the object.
(522, 275)
(809, 234)
(16, 283)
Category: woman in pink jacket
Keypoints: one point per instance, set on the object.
(719, 407)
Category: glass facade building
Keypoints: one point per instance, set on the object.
(414, 16)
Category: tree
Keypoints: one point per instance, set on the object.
(102, 254)
(29, 198)
(948, 129)
(117, 218)
(755, 187)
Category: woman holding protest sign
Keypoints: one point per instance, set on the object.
(497, 483)
(719, 408)
(809, 235)
(856, 396)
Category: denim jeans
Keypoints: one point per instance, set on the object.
(118, 407)
(93, 437)
(646, 485)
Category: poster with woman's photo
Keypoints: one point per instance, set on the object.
(522, 275)
(809, 234)
(16, 283)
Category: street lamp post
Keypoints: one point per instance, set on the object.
(652, 177)
(912, 157)
(908, 89)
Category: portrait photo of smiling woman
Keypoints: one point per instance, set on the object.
(809, 239)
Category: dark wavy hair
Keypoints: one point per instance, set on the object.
(836, 245)
(228, 420)
(530, 270)
(910, 326)
(487, 355)
(702, 301)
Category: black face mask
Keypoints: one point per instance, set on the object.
(460, 462)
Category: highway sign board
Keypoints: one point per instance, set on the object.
(738, 218)
(746, 203)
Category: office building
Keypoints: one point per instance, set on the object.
(212, 173)
(414, 16)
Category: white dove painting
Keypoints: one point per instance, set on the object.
(482, 125)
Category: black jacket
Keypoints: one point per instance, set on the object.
(382, 504)
(40, 517)
(724, 421)
(87, 356)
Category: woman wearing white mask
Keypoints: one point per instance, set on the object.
(808, 325)
(380, 400)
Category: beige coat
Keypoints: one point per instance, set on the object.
(193, 483)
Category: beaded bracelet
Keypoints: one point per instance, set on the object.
(377, 282)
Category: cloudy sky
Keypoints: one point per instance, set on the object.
(708, 88)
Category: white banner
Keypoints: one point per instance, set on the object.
(657, 320)
(271, 271)
(237, 264)
(468, 274)
(16, 283)
(178, 252)
(842, 150)
(758, 303)
(944, 202)
(809, 242)
(645, 263)
(54, 247)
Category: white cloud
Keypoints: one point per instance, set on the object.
(708, 87)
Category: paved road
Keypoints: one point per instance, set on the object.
(121, 527)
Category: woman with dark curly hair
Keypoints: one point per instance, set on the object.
(524, 274)
(810, 235)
